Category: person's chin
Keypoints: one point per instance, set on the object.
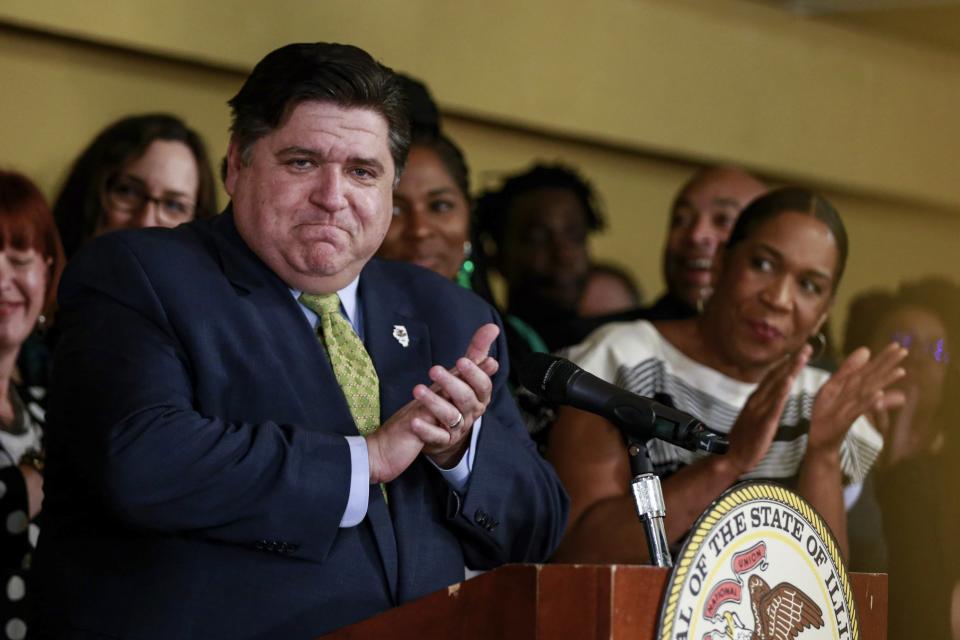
(757, 349)
(10, 337)
(690, 297)
(542, 302)
(564, 294)
(319, 261)
(688, 289)
(427, 262)
(562, 302)
(758, 359)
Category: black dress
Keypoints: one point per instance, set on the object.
(915, 498)
(18, 535)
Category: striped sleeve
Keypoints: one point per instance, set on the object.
(860, 450)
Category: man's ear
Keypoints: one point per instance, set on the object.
(233, 163)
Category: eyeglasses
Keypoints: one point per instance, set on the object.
(130, 195)
(934, 349)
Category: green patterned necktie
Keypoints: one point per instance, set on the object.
(350, 361)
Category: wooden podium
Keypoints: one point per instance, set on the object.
(613, 602)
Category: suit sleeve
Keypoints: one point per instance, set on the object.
(514, 509)
(122, 412)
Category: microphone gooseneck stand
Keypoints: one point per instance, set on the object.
(639, 419)
(648, 499)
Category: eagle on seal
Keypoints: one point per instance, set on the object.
(781, 613)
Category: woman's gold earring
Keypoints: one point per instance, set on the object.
(819, 343)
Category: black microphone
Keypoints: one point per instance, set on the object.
(562, 382)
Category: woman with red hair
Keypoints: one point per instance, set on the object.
(31, 259)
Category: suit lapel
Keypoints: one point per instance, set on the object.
(399, 344)
(397, 341)
(309, 381)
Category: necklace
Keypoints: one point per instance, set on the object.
(17, 426)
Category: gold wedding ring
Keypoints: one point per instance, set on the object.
(456, 423)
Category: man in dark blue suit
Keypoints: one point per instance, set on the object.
(206, 477)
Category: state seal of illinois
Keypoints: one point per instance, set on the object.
(759, 564)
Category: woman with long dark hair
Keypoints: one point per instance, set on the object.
(141, 171)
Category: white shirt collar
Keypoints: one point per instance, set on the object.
(348, 303)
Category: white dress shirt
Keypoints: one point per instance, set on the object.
(458, 477)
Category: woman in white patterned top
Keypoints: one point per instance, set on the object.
(741, 368)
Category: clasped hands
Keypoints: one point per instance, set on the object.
(430, 423)
(857, 387)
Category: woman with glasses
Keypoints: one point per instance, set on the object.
(141, 171)
(907, 519)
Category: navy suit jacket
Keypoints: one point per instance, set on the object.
(197, 469)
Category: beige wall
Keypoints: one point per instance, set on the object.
(646, 88)
(56, 95)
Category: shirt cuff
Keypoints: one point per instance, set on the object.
(459, 476)
(359, 482)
